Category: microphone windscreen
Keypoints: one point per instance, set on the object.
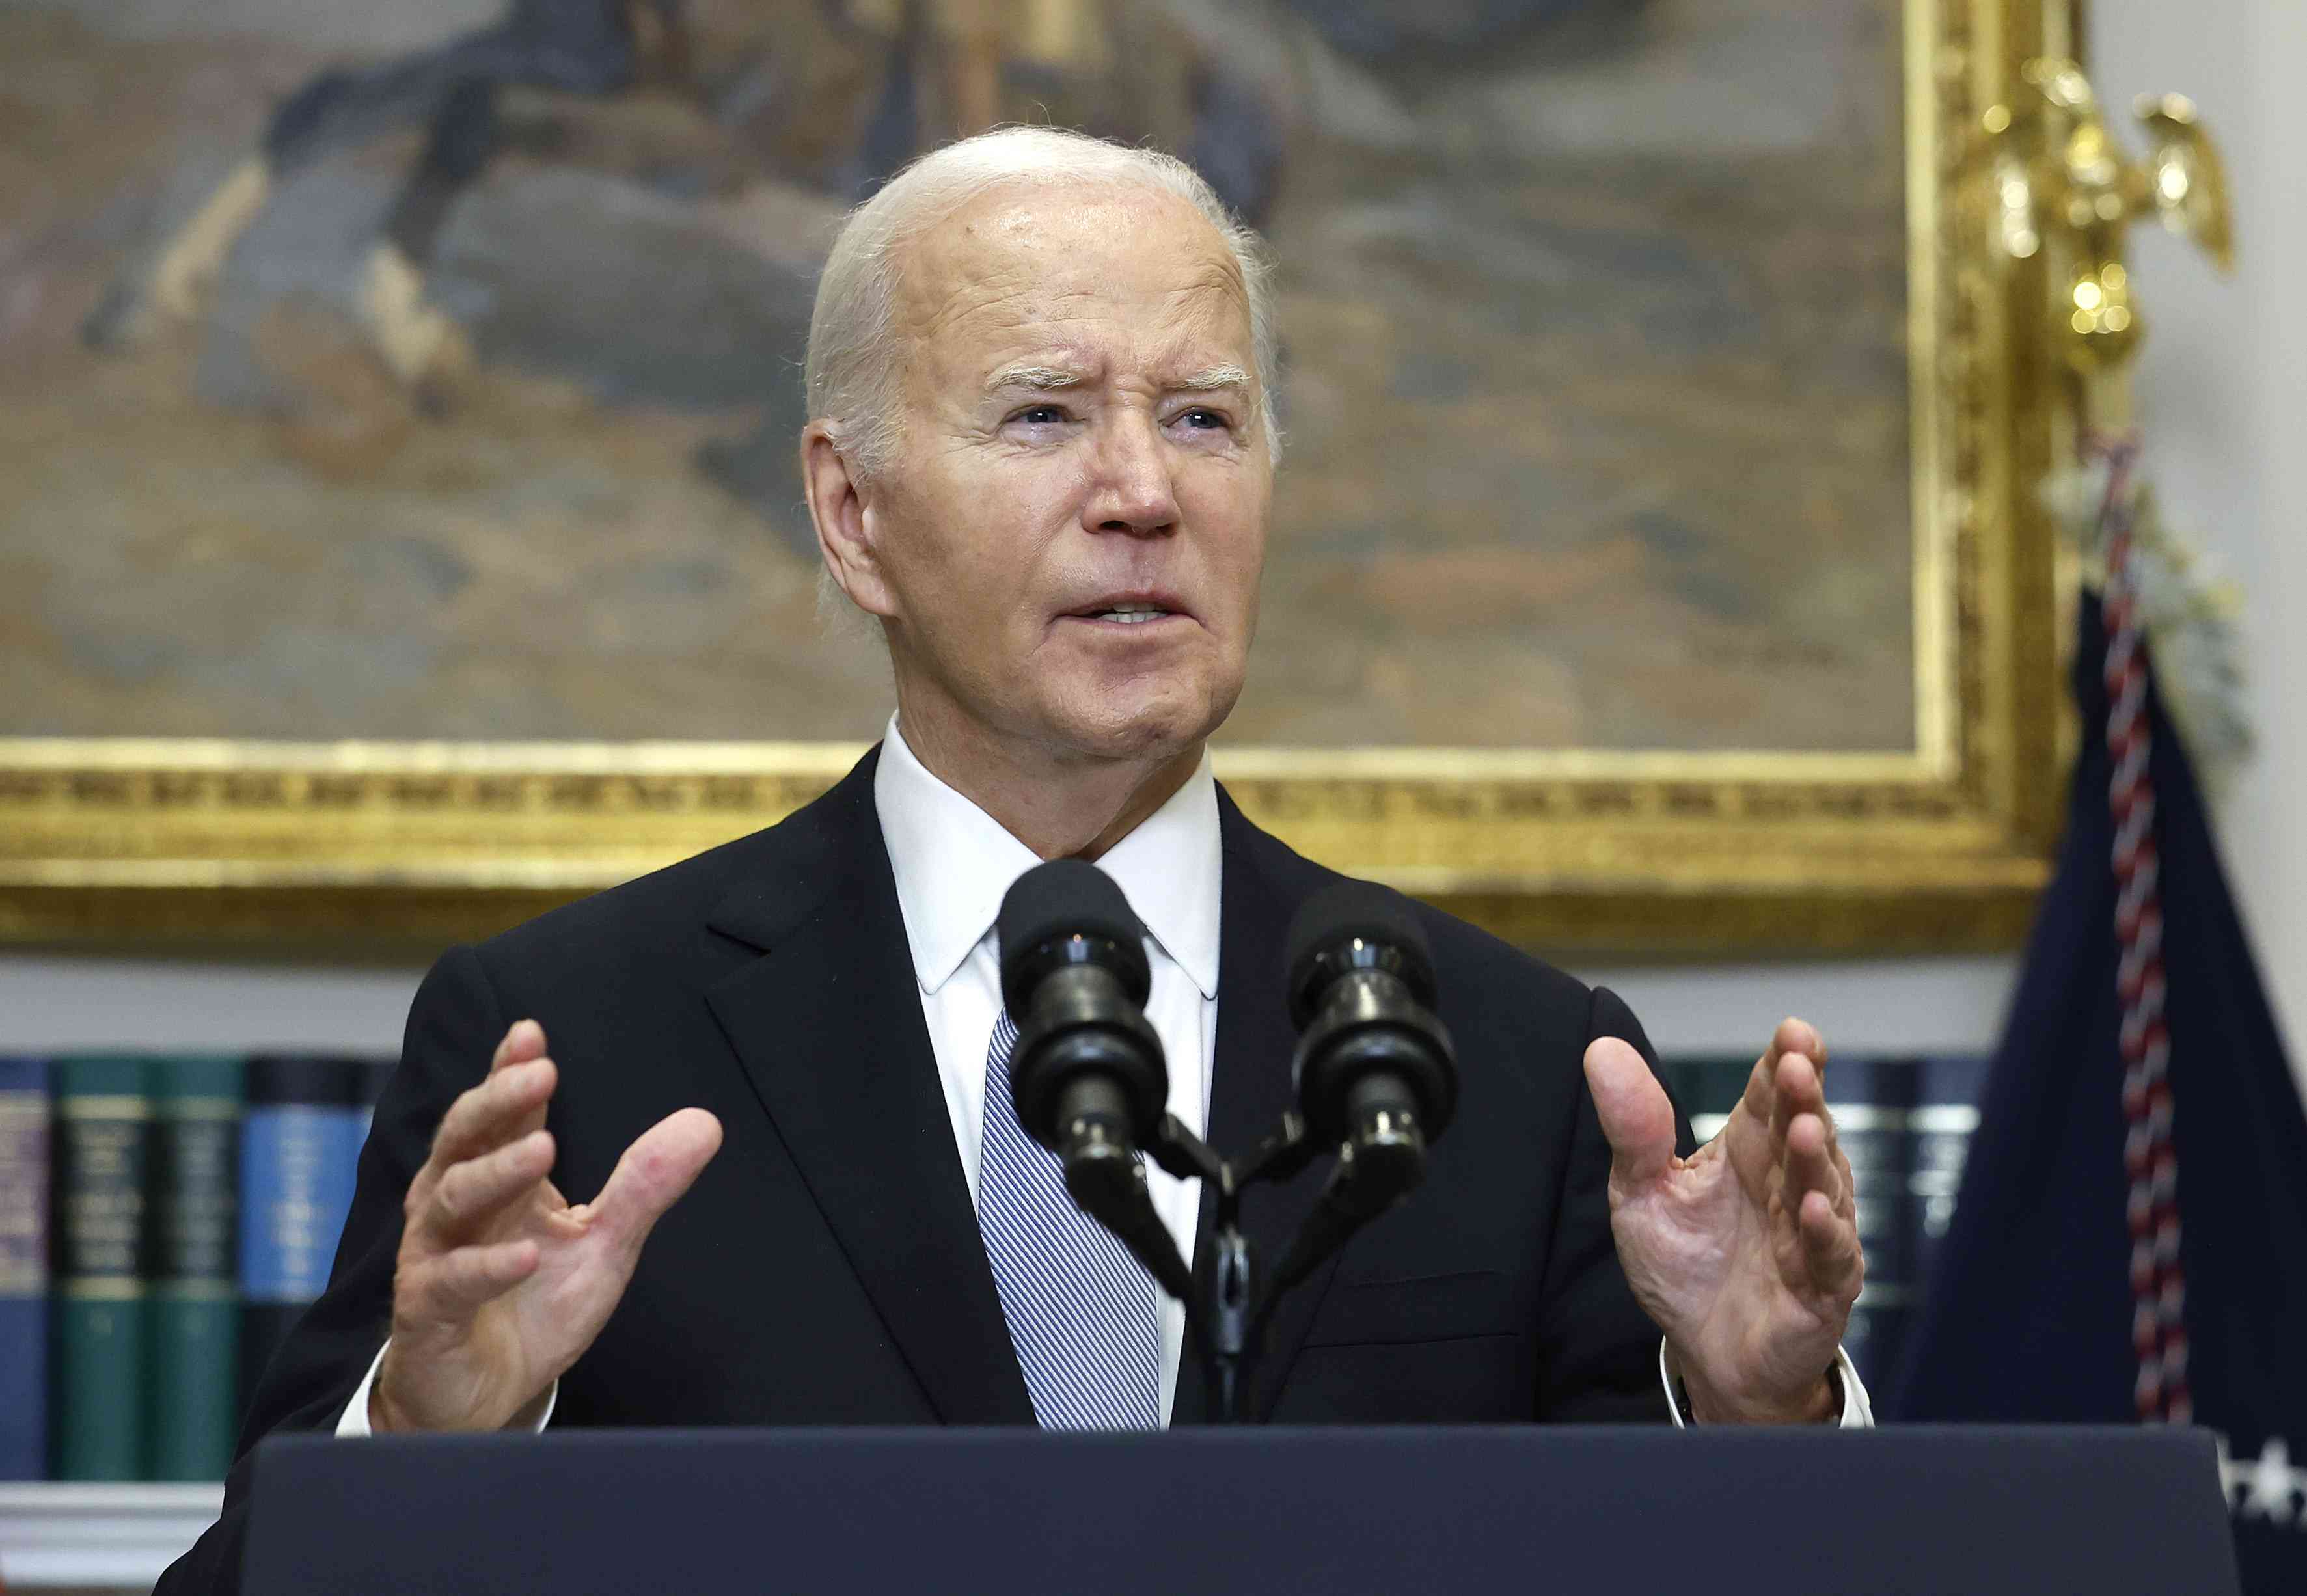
(1066, 897)
(1342, 913)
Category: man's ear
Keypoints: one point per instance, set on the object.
(844, 526)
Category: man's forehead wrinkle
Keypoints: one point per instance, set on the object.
(1213, 300)
(1091, 289)
(1172, 375)
(1220, 270)
(948, 271)
(1001, 349)
(933, 300)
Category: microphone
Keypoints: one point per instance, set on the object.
(1087, 1072)
(1377, 1075)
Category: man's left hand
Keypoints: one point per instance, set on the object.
(1745, 1253)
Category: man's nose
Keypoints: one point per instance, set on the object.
(1129, 489)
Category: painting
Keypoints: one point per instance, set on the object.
(398, 490)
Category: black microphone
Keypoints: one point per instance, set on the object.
(1087, 1073)
(1377, 1075)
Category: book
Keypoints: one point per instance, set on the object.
(1707, 1085)
(1946, 1117)
(101, 1141)
(296, 1166)
(23, 1268)
(194, 1320)
(1872, 1101)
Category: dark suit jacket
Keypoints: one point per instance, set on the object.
(826, 1267)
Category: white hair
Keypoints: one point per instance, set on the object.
(854, 369)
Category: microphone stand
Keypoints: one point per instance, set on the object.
(1227, 1314)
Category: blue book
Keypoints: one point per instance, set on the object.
(298, 1145)
(23, 1268)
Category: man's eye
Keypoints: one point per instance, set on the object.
(1040, 414)
(1202, 419)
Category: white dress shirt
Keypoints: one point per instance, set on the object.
(953, 863)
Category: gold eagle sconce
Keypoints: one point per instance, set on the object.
(2059, 177)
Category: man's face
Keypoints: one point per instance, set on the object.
(1068, 546)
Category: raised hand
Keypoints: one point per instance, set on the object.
(1745, 1253)
(501, 1284)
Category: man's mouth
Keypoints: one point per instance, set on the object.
(1132, 610)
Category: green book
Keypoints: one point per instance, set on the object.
(193, 1316)
(102, 1139)
(1707, 1086)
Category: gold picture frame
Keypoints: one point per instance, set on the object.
(1940, 848)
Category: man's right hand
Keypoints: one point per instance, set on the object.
(501, 1284)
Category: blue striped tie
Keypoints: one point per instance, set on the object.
(1080, 1308)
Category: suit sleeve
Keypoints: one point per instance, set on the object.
(454, 1026)
(1597, 1350)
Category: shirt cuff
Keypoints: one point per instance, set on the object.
(1857, 1411)
(355, 1421)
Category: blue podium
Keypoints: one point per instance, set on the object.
(1246, 1511)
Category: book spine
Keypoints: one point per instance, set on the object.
(1872, 1101)
(195, 1310)
(1946, 1117)
(1707, 1086)
(297, 1185)
(102, 1141)
(23, 1268)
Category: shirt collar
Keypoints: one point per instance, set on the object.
(952, 863)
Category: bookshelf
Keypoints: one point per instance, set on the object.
(58, 1534)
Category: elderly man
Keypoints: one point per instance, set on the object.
(1042, 460)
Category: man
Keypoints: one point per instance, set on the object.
(1042, 460)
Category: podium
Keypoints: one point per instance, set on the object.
(1237, 1512)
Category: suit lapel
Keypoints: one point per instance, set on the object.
(829, 1030)
(1250, 1089)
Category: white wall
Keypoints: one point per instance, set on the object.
(2222, 396)
(2223, 402)
(64, 1003)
